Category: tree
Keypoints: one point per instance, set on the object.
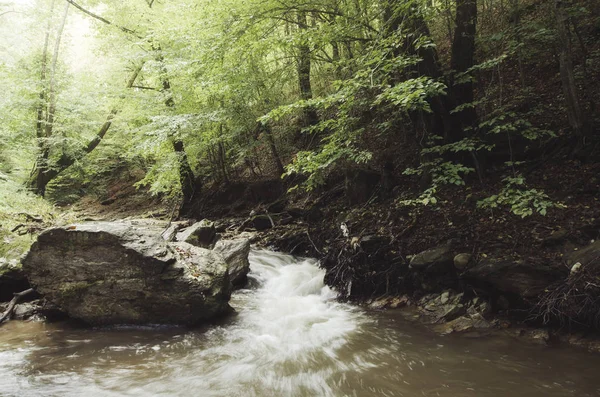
(567, 75)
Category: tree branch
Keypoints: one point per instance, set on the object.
(104, 20)
(11, 306)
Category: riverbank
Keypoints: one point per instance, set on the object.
(460, 269)
(289, 337)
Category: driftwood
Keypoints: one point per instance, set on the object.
(11, 306)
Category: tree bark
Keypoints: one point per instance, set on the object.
(567, 75)
(274, 152)
(463, 58)
(52, 90)
(439, 122)
(40, 119)
(187, 178)
(304, 68)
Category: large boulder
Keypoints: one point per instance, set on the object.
(125, 273)
(235, 252)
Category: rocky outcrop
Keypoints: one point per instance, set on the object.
(235, 253)
(126, 273)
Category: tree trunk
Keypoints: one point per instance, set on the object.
(304, 67)
(40, 119)
(186, 175)
(439, 122)
(463, 58)
(574, 112)
(187, 179)
(52, 90)
(44, 125)
(274, 152)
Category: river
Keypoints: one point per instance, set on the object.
(289, 337)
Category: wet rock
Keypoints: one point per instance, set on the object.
(445, 297)
(170, 233)
(126, 273)
(479, 307)
(512, 277)
(201, 234)
(539, 336)
(441, 308)
(236, 254)
(460, 324)
(262, 222)
(464, 324)
(438, 259)
(461, 261)
(390, 302)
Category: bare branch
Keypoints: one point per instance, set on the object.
(104, 20)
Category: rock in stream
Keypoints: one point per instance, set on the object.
(126, 273)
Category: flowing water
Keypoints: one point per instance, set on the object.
(289, 338)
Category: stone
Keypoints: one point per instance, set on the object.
(262, 222)
(588, 256)
(461, 261)
(459, 324)
(575, 268)
(390, 302)
(445, 297)
(235, 253)
(463, 324)
(512, 277)
(477, 307)
(170, 233)
(436, 259)
(201, 234)
(556, 237)
(125, 273)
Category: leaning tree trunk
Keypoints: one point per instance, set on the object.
(463, 58)
(567, 75)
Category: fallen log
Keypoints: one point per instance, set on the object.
(14, 301)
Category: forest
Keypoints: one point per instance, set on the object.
(413, 146)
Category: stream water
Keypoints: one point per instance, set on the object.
(289, 338)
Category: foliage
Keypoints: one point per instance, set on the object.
(521, 200)
(17, 205)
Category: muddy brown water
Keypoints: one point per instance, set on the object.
(289, 338)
